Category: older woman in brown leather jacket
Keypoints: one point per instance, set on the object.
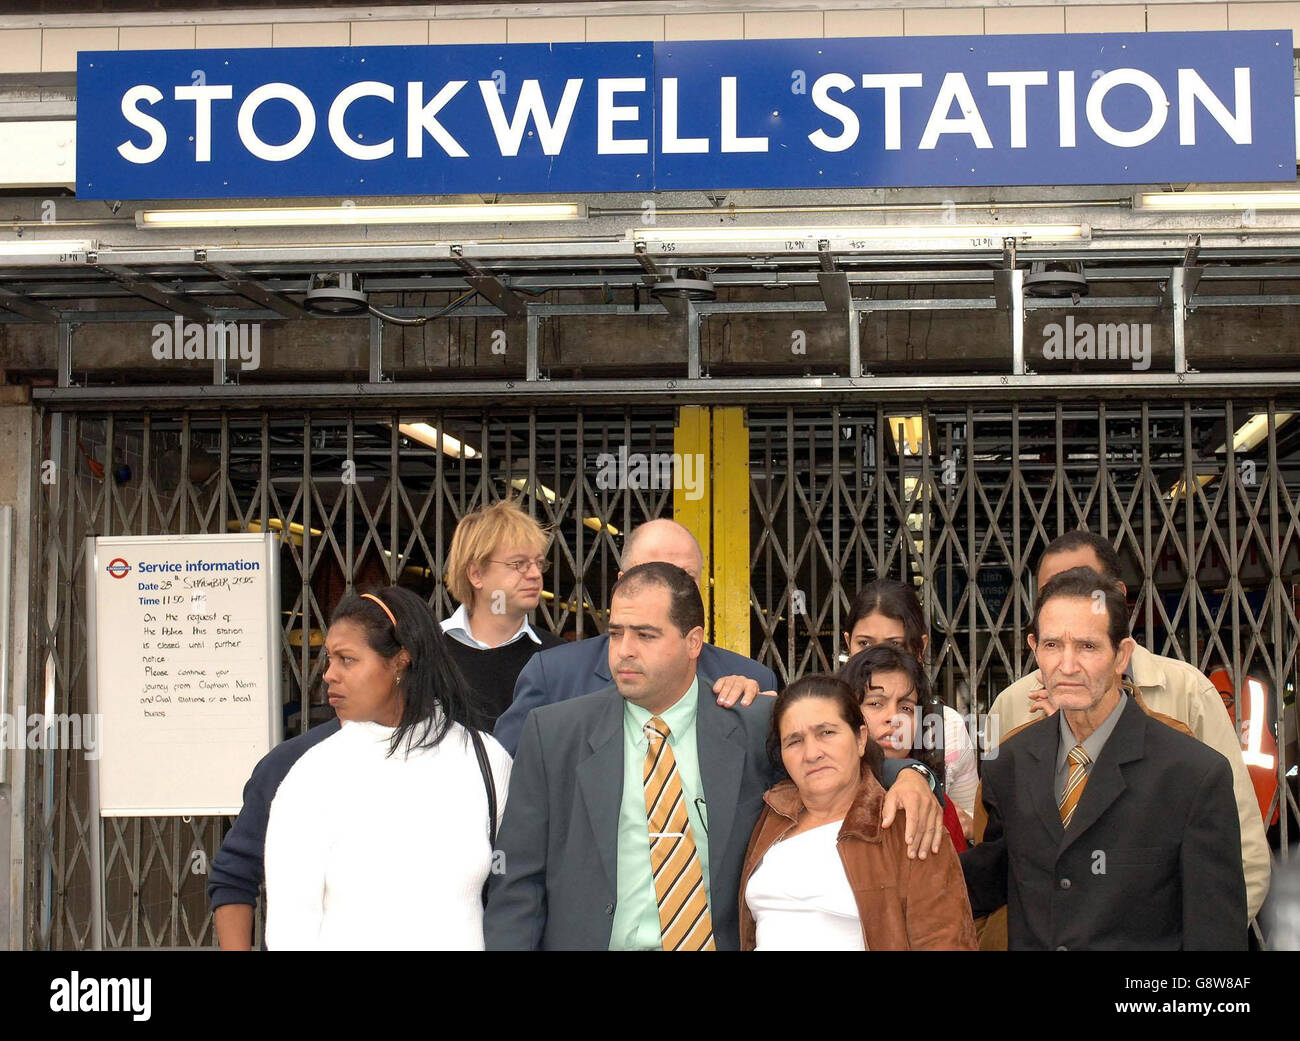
(821, 873)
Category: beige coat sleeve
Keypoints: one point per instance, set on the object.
(1211, 725)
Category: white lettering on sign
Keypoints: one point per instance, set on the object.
(422, 119)
(531, 105)
(339, 111)
(292, 147)
(203, 96)
(608, 114)
(133, 153)
(948, 108)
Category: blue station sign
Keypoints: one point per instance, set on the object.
(626, 117)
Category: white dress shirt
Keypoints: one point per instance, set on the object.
(457, 627)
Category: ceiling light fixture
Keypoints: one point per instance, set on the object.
(800, 237)
(1217, 202)
(1253, 431)
(429, 435)
(315, 216)
(43, 247)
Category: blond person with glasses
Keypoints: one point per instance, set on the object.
(495, 568)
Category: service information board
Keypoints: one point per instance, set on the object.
(185, 634)
(1135, 108)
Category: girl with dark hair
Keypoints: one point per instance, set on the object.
(820, 872)
(379, 837)
(892, 687)
(889, 611)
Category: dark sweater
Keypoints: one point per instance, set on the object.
(236, 872)
(492, 673)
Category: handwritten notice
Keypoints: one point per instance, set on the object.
(185, 636)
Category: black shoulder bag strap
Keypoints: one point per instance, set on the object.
(486, 769)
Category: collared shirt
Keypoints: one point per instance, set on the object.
(636, 915)
(1092, 744)
(457, 627)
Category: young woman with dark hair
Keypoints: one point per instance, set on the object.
(888, 611)
(892, 687)
(379, 837)
(820, 872)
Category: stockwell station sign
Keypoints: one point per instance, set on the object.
(626, 117)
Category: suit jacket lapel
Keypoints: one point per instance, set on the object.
(1106, 780)
(1042, 742)
(600, 779)
(722, 764)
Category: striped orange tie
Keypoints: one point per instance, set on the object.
(1074, 783)
(684, 920)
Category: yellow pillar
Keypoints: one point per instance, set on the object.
(691, 510)
(731, 530)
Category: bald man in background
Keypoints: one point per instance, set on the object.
(583, 667)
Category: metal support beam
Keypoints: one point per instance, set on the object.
(376, 349)
(909, 388)
(63, 344)
(19, 304)
(1178, 298)
(693, 320)
(1016, 316)
(491, 288)
(532, 370)
(249, 288)
(153, 292)
(835, 291)
(855, 342)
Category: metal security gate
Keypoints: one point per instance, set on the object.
(364, 498)
(1202, 500)
(959, 498)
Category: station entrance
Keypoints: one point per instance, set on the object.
(796, 506)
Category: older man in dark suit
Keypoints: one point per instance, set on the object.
(1107, 829)
(630, 809)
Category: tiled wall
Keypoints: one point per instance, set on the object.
(54, 48)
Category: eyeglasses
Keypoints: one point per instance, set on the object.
(543, 565)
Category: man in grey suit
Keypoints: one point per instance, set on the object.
(630, 809)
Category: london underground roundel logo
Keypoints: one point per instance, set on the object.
(118, 568)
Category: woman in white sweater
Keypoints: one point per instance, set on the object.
(379, 836)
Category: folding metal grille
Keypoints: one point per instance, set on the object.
(837, 498)
(357, 502)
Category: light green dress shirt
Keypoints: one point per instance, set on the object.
(636, 914)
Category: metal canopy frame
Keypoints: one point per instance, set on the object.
(1165, 266)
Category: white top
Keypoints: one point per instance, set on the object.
(959, 761)
(457, 627)
(800, 897)
(369, 852)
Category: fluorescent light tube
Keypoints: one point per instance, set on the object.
(1254, 430)
(428, 435)
(293, 216)
(42, 247)
(1220, 202)
(893, 233)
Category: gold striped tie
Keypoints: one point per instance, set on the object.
(1074, 783)
(684, 920)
